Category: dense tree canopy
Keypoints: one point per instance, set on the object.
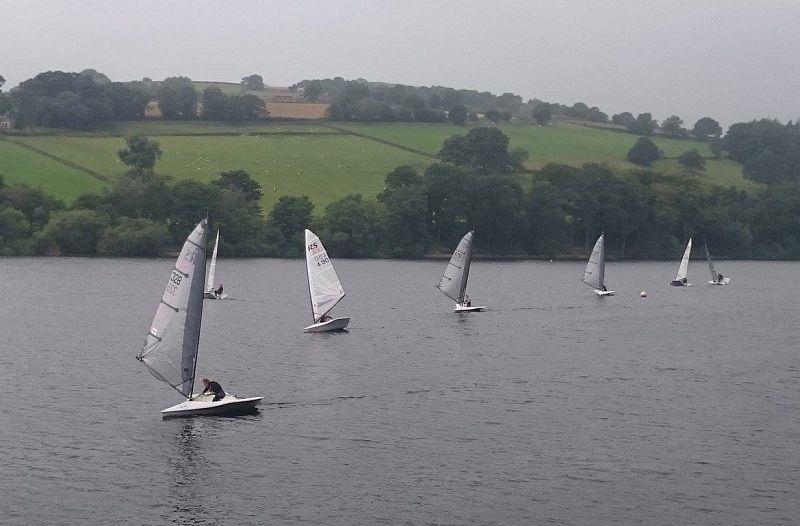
(769, 150)
(483, 149)
(253, 82)
(692, 159)
(140, 154)
(644, 152)
(642, 125)
(177, 98)
(74, 100)
(542, 113)
(706, 127)
(673, 125)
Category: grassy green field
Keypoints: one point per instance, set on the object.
(20, 165)
(322, 167)
(314, 160)
(563, 143)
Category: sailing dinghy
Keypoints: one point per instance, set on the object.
(170, 347)
(324, 287)
(454, 280)
(209, 293)
(716, 277)
(595, 272)
(680, 279)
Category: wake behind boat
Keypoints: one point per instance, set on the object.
(454, 280)
(324, 288)
(595, 273)
(212, 293)
(681, 279)
(170, 346)
(716, 277)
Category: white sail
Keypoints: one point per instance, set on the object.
(170, 347)
(595, 272)
(323, 283)
(683, 269)
(213, 267)
(714, 275)
(454, 280)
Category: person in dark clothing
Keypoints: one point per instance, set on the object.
(605, 289)
(719, 278)
(218, 292)
(212, 386)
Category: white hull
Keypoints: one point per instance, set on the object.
(724, 281)
(676, 283)
(464, 308)
(604, 292)
(203, 405)
(336, 324)
(209, 295)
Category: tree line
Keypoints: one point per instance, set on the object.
(89, 100)
(559, 211)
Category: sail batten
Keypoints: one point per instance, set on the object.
(595, 272)
(170, 346)
(213, 267)
(324, 286)
(683, 269)
(454, 280)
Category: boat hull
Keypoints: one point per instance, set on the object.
(211, 296)
(724, 281)
(604, 292)
(464, 308)
(228, 406)
(336, 324)
(677, 283)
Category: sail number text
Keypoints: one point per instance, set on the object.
(174, 281)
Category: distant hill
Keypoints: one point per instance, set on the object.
(320, 160)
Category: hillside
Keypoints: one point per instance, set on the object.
(315, 159)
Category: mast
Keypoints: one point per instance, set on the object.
(194, 312)
(710, 263)
(308, 280)
(601, 264)
(465, 274)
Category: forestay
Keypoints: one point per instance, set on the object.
(213, 267)
(714, 275)
(595, 272)
(454, 281)
(323, 283)
(683, 269)
(170, 347)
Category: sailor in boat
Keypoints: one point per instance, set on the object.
(605, 289)
(684, 281)
(213, 387)
(719, 278)
(325, 318)
(218, 292)
(468, 302)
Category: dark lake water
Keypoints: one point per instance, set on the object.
(553, 407)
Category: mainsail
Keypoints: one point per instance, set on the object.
(454, 281)
(595, 272)
(213, 267)
(323, 283)
(714, 274)
(683, 269)
(170, 347)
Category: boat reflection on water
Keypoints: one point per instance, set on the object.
(190, 472)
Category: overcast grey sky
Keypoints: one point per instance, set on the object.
(730, 59)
